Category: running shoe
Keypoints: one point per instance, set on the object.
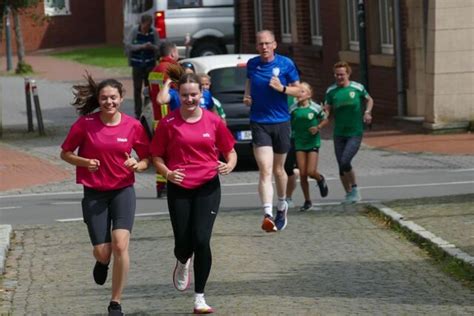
(355, 195)
(347, 199)
(200, 306)
(268, 224)
(100, 272)
(281, 219)
(115, 309)
(181, 278)
(323, 187)
(306, 206)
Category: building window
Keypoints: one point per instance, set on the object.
(285, 16)
(56, 7)
(352, 25)
(386, 26)
(257, 4)
(316, 34)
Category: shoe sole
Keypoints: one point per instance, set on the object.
(269, 226)
(174, 279)
(203, 311)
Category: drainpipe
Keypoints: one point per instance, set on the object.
(401, 93)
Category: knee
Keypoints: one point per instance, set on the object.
(345, 167)
(102, 254)
(120, 247)
(201, 244)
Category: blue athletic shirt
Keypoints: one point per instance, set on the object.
(206, 101)
(268, 105)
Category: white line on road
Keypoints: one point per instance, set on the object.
(416, 185)
(77, 219)
(10, 207)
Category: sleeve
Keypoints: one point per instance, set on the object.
(292, 74)
(160, 140)
(327, 98)
(365, 94)
(75, 136)
(141, 144)
(224, 139)
(209, 100)
(174, 100)
(129, 45)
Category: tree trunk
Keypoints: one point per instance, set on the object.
(20, 47)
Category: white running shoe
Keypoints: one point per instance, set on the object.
(200, 306)
(181, 278)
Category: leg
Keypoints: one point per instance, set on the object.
(339, 146)
(290, 171)
(302, 166)
(120, 242)
(350, 150)
(137, 75)
(281, 179)
(264, 157)
(205, 209)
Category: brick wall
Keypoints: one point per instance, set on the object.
(314, 62)
(85, 25)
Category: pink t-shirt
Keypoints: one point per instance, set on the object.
(108, 144)
(193, 147)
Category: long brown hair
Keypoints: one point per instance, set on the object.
(86, 96)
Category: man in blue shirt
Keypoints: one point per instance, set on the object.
(270, 78)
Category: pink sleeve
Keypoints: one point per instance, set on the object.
(142, 144)
(224, 139)
(75, 136)
(160, 140)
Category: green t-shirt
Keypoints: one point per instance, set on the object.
(347, 104)
(302, 118)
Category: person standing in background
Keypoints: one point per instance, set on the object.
(141, 47)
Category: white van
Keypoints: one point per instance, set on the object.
(206, 25)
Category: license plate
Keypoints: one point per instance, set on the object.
(244, 135)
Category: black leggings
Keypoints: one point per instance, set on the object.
(192, 213)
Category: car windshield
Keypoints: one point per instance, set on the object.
(228, 80)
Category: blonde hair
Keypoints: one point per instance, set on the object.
(307, 86)
(343, 64)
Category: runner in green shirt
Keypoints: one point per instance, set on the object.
(351, 106)
(307, 119)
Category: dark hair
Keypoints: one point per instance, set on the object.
(166, 48)
(189, 78)
(86, 96)
(146, 18)
(187, 64)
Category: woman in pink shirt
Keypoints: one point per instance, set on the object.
(106, 167)
(185, 150)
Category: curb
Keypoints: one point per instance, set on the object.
(447, 248)
(5, 233)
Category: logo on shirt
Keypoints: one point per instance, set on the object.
(276, 71)
(122, 140)
(89, 118)
(206, 135)
(310, 116)
(352, 94)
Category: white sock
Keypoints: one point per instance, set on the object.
(198, 295)
(281, 203)
(268, 209)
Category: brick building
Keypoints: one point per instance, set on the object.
(53, 24)
(436, 36)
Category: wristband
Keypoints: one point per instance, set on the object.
(284, 89)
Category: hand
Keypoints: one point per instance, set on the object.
(147, 45)
(367, 118)
(313, 130)
(175, 176)
(275, 83)
(224, 168)
(93, 165)
(247, 100)
(131, 163)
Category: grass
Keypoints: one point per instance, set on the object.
(104, 56)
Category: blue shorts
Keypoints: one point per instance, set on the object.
(104, 211)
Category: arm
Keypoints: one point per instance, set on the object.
(75, 160)
(247, 97)
(292, 89)
(316, 129)
(231, 161)
(129, 46)
(163, 97)
(133, 164)
(368, 110)
(176, 176)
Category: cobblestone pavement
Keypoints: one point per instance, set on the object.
(332, 262)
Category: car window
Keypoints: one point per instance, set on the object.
(230, 79)
(178, 4)
(140, 6)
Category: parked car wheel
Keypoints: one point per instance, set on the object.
(207, 49)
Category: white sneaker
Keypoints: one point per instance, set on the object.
(355, 195)
(181, 279)
(200, 306)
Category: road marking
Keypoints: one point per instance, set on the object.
(77, 219)
(40, 194)
(416, 185)
(10, 207)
